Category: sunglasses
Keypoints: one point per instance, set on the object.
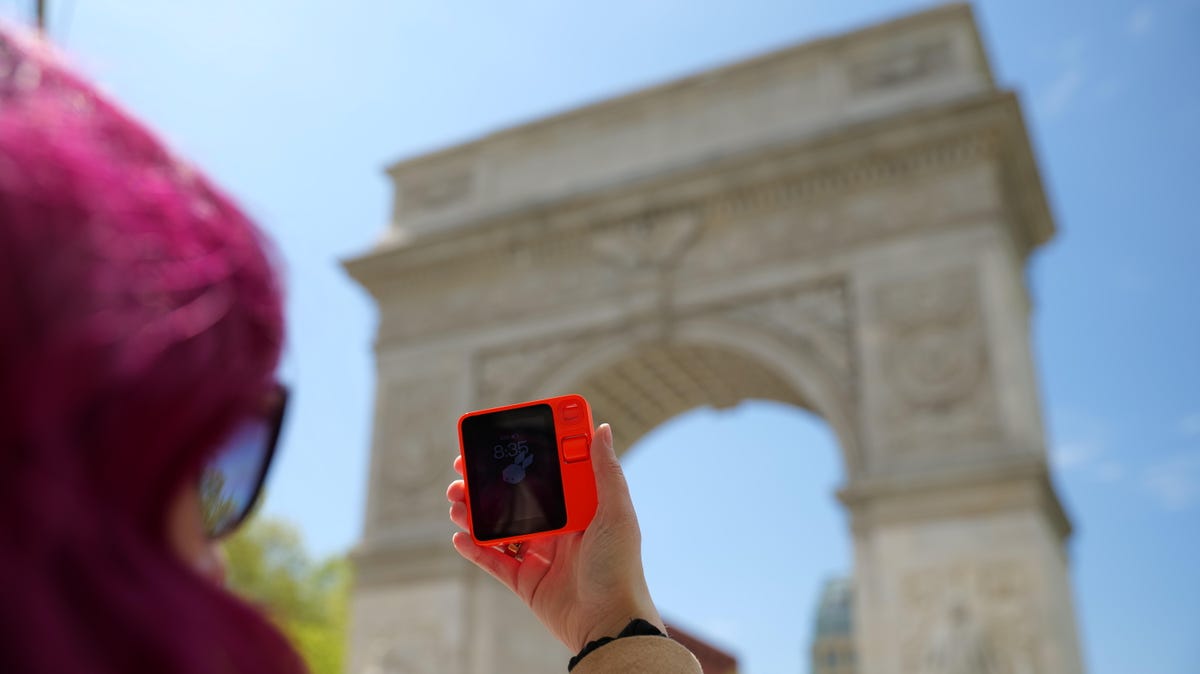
(232, 480)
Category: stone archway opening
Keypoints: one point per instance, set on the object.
(734, 473)
(742, 563)
(656, 382)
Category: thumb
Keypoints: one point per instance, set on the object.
(611, 488)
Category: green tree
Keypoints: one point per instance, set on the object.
(308, 599)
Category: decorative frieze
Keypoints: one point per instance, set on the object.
(857, 174)
(902, 64)
(650, 240)
(724, 235)
(435, 192)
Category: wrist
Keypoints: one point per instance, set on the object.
(634, 628)
(612, 624)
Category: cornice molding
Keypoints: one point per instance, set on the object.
(1019, 480)
(854, 159)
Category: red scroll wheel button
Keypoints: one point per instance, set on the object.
(572, 412)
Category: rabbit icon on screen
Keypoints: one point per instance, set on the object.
(515, 472)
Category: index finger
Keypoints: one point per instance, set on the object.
(499, 565)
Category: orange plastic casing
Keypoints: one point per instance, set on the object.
(572, 419)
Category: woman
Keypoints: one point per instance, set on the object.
(140, 327)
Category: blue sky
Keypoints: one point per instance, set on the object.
(296, 107)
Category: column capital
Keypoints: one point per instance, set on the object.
(991, 484)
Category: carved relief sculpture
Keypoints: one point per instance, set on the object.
(970, 618)
(939, 392)
(413, 438)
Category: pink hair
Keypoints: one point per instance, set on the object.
(140, 320)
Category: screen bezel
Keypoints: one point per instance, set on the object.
(555, 516)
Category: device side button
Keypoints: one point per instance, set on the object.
(572, 412)
(575, 448)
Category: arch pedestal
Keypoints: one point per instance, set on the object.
(842, 226)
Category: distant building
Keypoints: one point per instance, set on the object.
(713, 660)
(833, 639)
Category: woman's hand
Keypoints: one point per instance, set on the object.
(582, 585)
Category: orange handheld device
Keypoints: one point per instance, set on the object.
(528, 470)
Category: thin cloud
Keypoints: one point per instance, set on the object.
(1175, 481)
(1071, 455)
(1140, 22)
(1189, 426)
(1062, 91)
(1088, 459)
(1066, 86)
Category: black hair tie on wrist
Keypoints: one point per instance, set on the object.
(636, 628)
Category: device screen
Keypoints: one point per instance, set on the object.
(513, 473)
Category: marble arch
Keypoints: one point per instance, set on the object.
(843, 225)
(639, 381)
